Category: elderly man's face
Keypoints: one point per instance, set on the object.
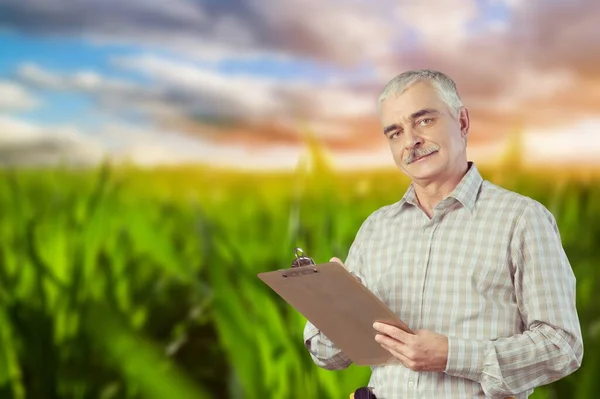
(426, 137)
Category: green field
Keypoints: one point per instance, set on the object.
(142, 284)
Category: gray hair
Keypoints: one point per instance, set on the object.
(444, 85)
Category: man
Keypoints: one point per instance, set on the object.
(478, 272)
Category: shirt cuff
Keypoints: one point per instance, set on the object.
(466, 358)
(309, 333)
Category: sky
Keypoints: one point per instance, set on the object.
(240, 82)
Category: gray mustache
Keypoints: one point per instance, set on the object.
(420, 152)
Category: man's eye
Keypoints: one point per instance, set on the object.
(394, 135)
(425, 122)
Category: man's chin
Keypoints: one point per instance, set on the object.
(423, 170)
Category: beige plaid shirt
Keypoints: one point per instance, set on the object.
(489, 271)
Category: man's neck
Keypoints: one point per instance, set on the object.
(430, 193)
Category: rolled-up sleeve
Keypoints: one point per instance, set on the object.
(322, 350)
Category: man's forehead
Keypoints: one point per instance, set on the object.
(394, 113)
(406, 104)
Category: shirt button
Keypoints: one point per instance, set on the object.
(410, 384)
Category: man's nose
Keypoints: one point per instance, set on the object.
(411, 139)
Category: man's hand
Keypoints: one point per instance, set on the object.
(337, 260)
(422, 351)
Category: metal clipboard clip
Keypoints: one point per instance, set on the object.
(299, 265)
(301, 259)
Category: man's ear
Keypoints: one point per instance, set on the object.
(465, 121)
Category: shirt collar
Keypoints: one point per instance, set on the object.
(465, 192)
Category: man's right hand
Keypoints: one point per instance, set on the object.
(337, 260)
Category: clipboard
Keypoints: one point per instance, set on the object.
(337, 304)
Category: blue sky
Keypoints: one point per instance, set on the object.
(57, 53)
(67, 55)
(109, 66)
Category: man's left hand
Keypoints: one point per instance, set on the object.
(422, 351)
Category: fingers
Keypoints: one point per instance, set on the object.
(398, 355)
(337, 260)
(399, 350)
(392, 331)
(390, 342)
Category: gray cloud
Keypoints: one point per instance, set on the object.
(328, 31)
(184, 91)
(562, 34)
(45, 152)
(23, 143)
(14, 97)
(539, 67)
(496, 69)
(117, 97)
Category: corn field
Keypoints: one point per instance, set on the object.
(127, 283)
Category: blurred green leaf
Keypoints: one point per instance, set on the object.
(138, 359)
(131, 283)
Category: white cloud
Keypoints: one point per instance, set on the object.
(498, 26)
(151, 147)
(326, 30)
(38, 76)
(346, 32)
(14, 97)
(529, 58)
(339, 102)
(83, 80)
(88, 80)
(14, 130)
(251, 96)
(443, 26)
(113, 97)
(576, 143)
(511, 4)
(17, 131)
(514, 3)
(525, 86)
(26, 143)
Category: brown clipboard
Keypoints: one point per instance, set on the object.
(337, 304)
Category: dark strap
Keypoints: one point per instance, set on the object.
(364, 393)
